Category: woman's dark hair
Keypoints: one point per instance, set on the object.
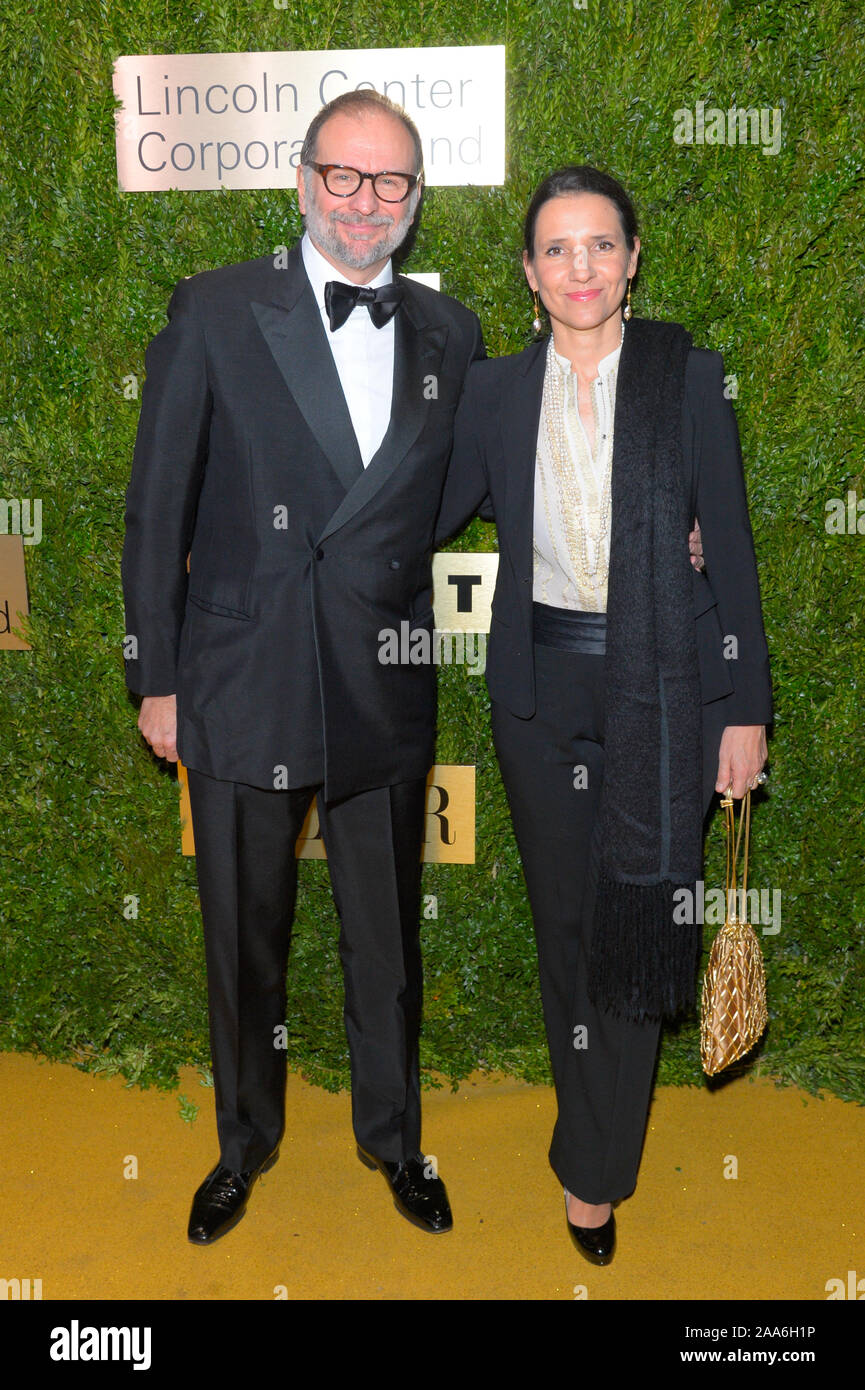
(580, 178)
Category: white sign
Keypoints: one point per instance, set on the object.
(431, 278)
(237, 120)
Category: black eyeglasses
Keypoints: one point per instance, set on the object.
(342, 181)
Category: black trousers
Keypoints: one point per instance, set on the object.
(247, 875)
(553, 768)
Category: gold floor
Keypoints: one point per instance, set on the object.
(321, 1226)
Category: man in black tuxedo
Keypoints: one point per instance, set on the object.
(293, 442)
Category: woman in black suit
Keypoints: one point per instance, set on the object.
(626, 687)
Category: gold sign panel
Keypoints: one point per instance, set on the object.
(449, 837)
(13, 593)
(463, 590)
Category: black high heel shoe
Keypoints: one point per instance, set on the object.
(596, 1243)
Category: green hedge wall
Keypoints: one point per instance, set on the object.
(760, 256)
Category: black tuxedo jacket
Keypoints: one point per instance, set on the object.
(493, 471)
(247, 462)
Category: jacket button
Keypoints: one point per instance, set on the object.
(319, 554)
(394, 564)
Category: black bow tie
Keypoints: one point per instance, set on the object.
(340, 299)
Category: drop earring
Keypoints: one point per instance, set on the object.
(626, 313)
(536, 322)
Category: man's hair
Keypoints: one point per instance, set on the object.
(360, 104)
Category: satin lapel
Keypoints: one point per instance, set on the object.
(418, 351)
(293, 330)
(520, 418)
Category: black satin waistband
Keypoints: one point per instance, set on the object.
(570, 629)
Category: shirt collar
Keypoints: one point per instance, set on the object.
(605, 366)
(319, 271)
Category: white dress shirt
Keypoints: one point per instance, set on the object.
(572, 488)
(363, 354)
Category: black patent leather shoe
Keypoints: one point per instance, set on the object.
(596, 1243)
(418, 1193)
(221, 1201)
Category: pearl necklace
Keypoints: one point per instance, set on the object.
(585, 518)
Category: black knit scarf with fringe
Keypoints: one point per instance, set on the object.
(643, 964)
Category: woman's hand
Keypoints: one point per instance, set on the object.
(742, 755)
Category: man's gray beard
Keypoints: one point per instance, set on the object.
(356, 255)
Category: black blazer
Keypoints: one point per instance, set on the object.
(493, 470)
(246, 460)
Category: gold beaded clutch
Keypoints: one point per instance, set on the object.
(733, 1013)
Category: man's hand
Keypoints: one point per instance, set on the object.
(157, 720)
(743, 753)
(695, 546)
